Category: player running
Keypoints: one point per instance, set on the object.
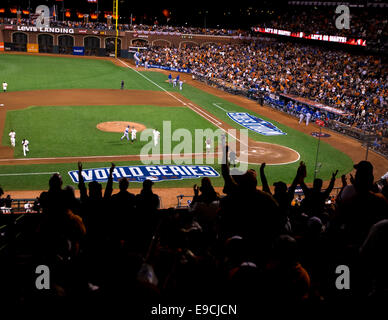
(126, 134)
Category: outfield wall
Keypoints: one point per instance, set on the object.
(99, 42)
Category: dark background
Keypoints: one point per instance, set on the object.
(242, 14)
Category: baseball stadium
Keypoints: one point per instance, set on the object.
(166, 162)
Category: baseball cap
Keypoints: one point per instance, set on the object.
(364, 166)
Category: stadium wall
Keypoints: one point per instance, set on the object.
(98, 42)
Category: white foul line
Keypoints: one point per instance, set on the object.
(195, 109)
(169, 93)
(216, 105)
(101, 158)
(205, 114)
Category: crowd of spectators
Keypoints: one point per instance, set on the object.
(249, 247)
(370, 24)
(356, 84)
(96, 25)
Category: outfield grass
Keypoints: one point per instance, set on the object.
(25, 72)
(41, 72)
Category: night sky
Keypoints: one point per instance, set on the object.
(242, 14)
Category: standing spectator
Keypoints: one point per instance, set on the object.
(147, 200)
(358, 207)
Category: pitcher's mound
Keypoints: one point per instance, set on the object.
(119, 126)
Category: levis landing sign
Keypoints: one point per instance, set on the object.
(45, 29)
(141, 173)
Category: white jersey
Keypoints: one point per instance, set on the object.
(133, 133)
(5, 85)
(12, 135)
(26, 143)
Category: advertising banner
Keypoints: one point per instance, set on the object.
(255, 124)
(33, 47)
(320, 37)
(151, 172)
(78, 51)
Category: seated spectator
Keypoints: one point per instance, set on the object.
(373, 253)
(286, 279)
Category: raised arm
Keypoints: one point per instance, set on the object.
(196, 195)
(229, 184)
(303, 174)
(109, 184)
(81, 183)
(263, 179)
(300, 174)
(331, 184)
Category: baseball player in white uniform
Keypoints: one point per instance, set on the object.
(180, 84)
(126, 134)
(301, 116)
(308, 117)
(156, 137)
(174, 82)
(208, 145)
(25, 144)
(133, 134)
(12, 136)
(5, 85)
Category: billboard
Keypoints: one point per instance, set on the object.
(78, 51)
(33, 47)
(140, 173)
(320, 37)
(255, 124)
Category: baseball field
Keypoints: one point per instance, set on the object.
(58, 103)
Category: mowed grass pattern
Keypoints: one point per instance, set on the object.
(24, 72)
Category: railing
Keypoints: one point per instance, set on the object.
(19, 206)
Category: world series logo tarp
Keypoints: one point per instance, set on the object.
(141, 173)
(255, 124)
